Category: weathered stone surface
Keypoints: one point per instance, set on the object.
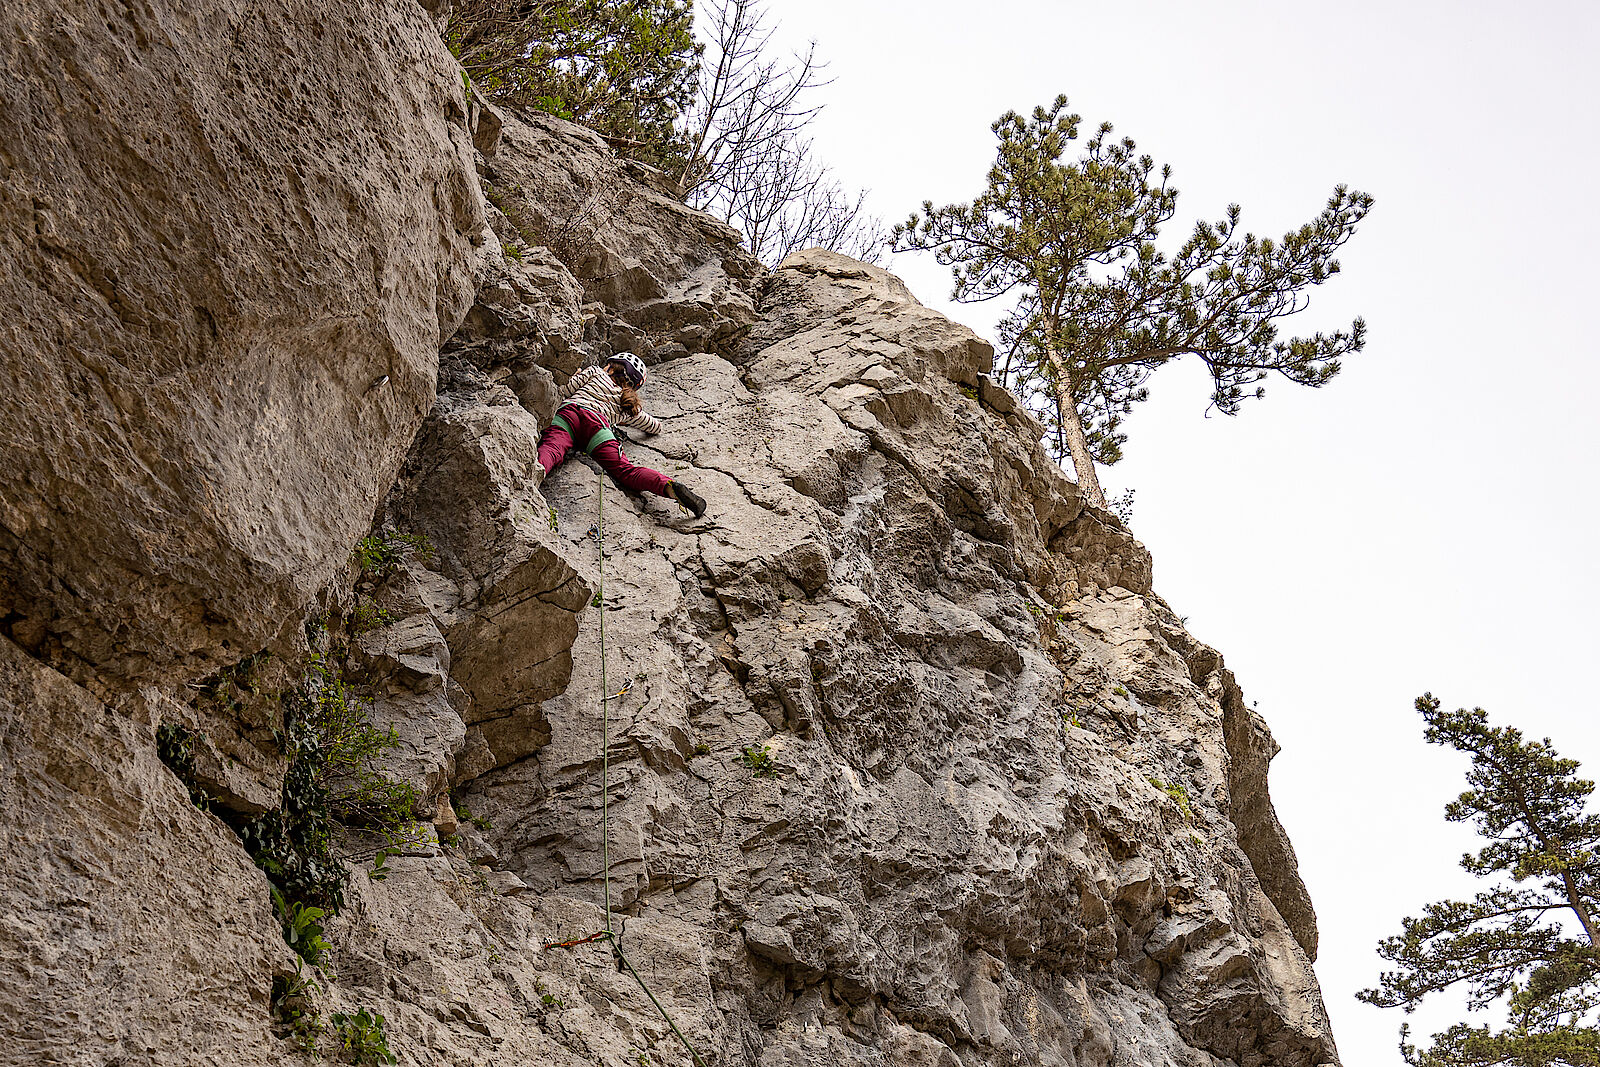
(997, 778)
(133, 928)
(232, 238)
(902, 762)
(668, 274)
(469, 486)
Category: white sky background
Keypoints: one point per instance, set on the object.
(1423, 522)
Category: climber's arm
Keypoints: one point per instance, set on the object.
(643, 420)
(576, 381)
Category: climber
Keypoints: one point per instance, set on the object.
(594, 399)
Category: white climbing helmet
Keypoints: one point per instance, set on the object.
(632, 367)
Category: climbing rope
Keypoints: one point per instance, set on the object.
(598, 532)
(605, 716)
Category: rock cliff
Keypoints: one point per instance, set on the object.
(908, 766)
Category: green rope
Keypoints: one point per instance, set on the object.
(605, 714)
(618, 949)
(605, 783)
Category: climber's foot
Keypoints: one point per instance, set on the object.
(538, 474)
(688, 498)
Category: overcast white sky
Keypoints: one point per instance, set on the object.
(1423, 522)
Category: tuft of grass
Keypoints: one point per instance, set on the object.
(1178, 794)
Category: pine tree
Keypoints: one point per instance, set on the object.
(1101, 307)
(625, 68)
(1527, 944)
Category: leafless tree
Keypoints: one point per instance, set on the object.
(748, 160)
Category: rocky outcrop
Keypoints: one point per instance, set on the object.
(232, 238)
(134, 928)
(656, 274)
(908, 766)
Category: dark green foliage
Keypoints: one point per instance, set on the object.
(361, 1037)
(332, 776)
(1122, 506)
(291, 1007)
(465, 815)
(227, 689)
(344, 748)
(294, 845)
(1527, 943)
(625, 68)
(1101, 306)
(302, 927)
(369, 616)
(759, 759)
(379, 555)
(175, 747)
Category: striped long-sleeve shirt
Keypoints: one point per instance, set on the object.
(592, 388)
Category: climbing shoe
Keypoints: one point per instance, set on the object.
(688, 498)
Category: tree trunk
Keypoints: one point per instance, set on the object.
(1077, 440)
(1576, 900)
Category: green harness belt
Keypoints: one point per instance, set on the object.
(601, 436)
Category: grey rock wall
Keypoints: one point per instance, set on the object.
(1015, 813)
(233, 236)
(908, 765)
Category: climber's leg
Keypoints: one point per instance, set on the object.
(687, 497)
(629, 475)
(554, 444)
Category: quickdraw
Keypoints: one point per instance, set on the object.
(603, 935)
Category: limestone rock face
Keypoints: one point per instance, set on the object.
(660, 274)
(892, 759)
(134, 929)
(232, 238)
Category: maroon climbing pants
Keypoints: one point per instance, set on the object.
(555, 443)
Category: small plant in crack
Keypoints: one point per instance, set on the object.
(1178, 794)
(291, 1007)
(175, 747)
(228, 689)
(361, 1037)
(381, 554)
(759, 760)
(302, 928)
(369, 616)
(465, 815)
